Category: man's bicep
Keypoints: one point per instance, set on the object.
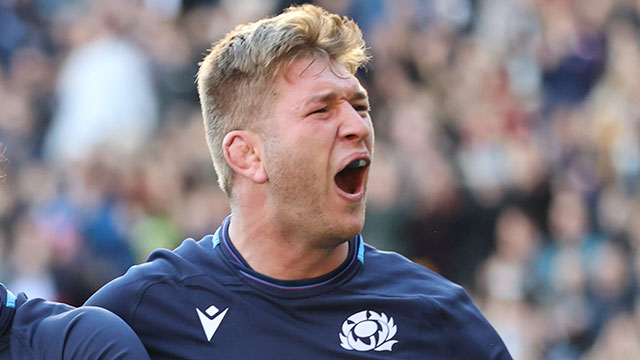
(49, 330)
(88, 333)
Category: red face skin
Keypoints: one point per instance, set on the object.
(320, 124)
(290, 218)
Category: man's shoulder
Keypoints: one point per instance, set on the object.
(164, 264)
(392, 275)
(170, 268)
(395, 270)
(442, 303)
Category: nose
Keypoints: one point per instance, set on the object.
(353, 126)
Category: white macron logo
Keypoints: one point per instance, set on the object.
(367, 330)
(210, 322)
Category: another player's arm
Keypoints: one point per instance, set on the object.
(39, 329)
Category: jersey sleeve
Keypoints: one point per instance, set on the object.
(39, 329)
(46, 330)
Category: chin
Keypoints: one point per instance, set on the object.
(349, 227)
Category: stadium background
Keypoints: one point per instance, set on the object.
(508, 151)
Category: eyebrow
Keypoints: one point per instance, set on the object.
(361, 94)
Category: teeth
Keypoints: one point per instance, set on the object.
(357, 164)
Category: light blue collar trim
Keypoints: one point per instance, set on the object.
(11, 299)
(216, 238)
(360, 241)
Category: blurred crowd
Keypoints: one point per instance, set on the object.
(507, 150)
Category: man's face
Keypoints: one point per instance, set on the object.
(318, 150)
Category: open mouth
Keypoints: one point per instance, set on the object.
(351, 178)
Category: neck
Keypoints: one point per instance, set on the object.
(281, 253)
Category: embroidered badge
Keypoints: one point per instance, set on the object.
(367, 330)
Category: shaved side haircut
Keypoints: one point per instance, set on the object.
(235, 79)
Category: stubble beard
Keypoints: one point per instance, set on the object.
(297, 198)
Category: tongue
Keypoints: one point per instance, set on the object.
(349, 179)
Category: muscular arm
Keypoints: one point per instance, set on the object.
(38, 329)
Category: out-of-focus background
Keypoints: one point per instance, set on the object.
(508, 150)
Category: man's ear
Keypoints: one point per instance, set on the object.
(243, 151)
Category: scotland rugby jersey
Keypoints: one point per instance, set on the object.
(38, 329)
(203, 301)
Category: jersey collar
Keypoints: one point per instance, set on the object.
(288, 288)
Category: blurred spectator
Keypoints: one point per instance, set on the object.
(506, 283)
(104, 90)
(619, 340)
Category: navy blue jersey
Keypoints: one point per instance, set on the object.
(203, 301)
(38, 329)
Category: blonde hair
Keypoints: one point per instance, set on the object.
(235, 80)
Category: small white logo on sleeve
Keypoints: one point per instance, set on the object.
(210, 322)
(367, 330)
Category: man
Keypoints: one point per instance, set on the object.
(287, 275)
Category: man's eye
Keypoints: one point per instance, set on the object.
(319, 111)
(365, 108)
